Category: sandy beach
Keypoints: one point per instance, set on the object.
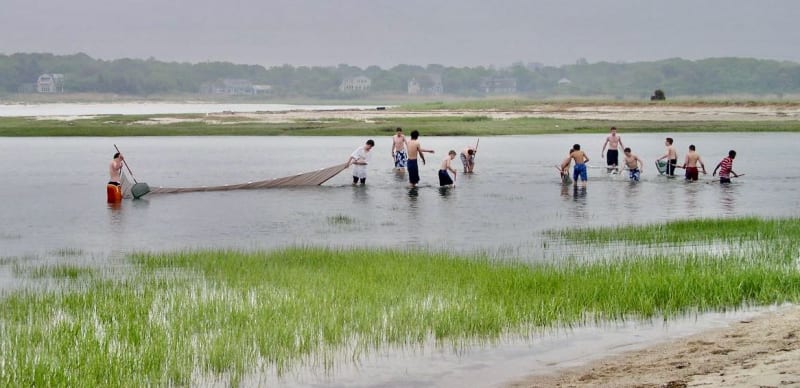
(759, 352)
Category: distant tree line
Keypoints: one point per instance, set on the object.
(677, 77)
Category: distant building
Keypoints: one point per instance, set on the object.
(235, 87)
(355, 84)
(499, 85)
(262, 89)
(426, 85)
(50, 83)
(564, 81)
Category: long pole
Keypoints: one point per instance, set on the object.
(126, 165)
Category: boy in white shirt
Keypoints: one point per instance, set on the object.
(359, 159)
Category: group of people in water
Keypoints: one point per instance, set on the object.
(406, 154)
(667, 164)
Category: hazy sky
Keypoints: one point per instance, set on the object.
(390, 32)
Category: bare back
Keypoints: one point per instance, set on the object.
(413, 149)
(579, 157)
(692, 158)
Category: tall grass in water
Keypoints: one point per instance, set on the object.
(225, 312)
(683, 231)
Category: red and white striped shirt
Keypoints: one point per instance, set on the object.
(725, 167)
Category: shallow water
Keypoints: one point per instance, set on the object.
(54, 193)
(54, 200)
(508, 360)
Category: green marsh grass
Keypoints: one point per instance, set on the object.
(222, 313)
(683, 231)
(341, 219)
(471, 125)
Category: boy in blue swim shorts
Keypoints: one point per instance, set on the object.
(634, 164)
(580, 158)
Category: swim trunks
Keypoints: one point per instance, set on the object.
(466, 160)
(115, 183)
(692, 174)
(413, 171)
(612, 158)
(724, 180)
(400, 159)
(579, 171)
(444, 178)
(634, 174)
(671, 166)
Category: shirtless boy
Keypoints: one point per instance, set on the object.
(634, 164)
(580, 158)
(671, 156)
(415, 150)
(563, 168)
(399, 149)
(725, 168)
(692, 158)
(468, 159)
(614, 142)
(115, 169)
(444, 177)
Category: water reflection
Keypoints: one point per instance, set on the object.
(728, 197)
(508, 203)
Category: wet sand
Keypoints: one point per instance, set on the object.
(759, 352)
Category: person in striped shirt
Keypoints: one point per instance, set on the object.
(725, 168)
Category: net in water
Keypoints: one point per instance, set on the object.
(313, 178)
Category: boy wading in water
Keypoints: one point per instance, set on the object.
(563, 168)
(115, 170)
(725, 168)
(415, 150)
(359, 160)
(444, 177)
(580, 158)
(671, 156)
(614, 142)
(468, 159)
(692, 158)
(634, 164)
(399, 150)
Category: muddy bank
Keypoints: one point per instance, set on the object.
(764, 351)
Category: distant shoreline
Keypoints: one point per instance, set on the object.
(464, 118)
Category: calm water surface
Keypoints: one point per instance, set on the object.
(54, 193)
(53, 198)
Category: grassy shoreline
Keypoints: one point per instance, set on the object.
(468, 125)
(224, 313)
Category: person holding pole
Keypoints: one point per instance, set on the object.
(468, 158)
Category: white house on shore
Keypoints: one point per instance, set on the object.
(235, 87)
(498, 85)
(50, 83)
(426, 85)
(355, 84)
